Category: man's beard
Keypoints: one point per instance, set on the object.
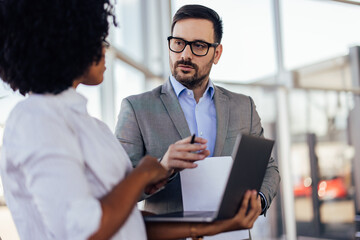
(194, 81)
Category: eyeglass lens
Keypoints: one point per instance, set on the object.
(197, 48)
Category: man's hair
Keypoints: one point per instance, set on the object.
(46, 44)
(200, 12)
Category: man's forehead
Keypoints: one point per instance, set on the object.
(192, 29)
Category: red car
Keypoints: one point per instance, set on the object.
(327, 189)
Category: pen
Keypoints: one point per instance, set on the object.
(192, 139)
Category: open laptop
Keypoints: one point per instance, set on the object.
(251, 156)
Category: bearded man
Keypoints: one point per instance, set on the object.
(189, 103)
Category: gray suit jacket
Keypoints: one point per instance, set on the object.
(148, 123)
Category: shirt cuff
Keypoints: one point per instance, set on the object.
(264, 203)
(172, 176)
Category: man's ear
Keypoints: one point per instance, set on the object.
(218, 52)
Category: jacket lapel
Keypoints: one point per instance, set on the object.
(172, 105)
(222, 119)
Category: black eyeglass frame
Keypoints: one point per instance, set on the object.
(190, 44)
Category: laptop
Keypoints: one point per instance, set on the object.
(250, 159)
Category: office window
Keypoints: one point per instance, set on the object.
(317, 30)
(128, 36)
(128, 81)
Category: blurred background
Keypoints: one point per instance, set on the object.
(298, 59)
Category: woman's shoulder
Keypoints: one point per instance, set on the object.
(35, 106)
(34, 112)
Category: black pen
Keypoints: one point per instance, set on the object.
(192, 142)
(192, 139)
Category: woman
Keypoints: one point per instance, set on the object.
(64, 173)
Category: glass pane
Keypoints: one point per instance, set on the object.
(311, 37)
(326, 115)
(302, 181)
(335, 187)
(128, 81)
(127, 36)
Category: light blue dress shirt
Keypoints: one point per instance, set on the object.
(201, 116)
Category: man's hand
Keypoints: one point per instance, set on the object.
(183, 154)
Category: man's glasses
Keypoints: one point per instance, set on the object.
(198, 48)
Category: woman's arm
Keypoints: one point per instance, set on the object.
(117, 206)
(243, 220)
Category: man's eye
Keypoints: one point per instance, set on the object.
(200, 45)
(178, 42)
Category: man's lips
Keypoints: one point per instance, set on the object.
(185, 67)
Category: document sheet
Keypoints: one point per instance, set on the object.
(203, 187)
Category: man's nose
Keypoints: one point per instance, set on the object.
(187, 53)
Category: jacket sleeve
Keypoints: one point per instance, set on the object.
(127, 131)
(272, 177)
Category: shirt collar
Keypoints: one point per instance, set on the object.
(69, 97)
(74, 100)
(179, 88)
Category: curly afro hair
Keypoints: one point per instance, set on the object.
(45, 45)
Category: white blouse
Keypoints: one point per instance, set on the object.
(56, 163)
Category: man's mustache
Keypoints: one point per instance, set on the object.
(187, 63)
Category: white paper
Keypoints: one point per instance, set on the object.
(202, 189)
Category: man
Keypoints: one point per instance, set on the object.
(189, 103)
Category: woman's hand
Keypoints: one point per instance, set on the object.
(154, 171)
(249, 210)
(157, 174)
(245, 218)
